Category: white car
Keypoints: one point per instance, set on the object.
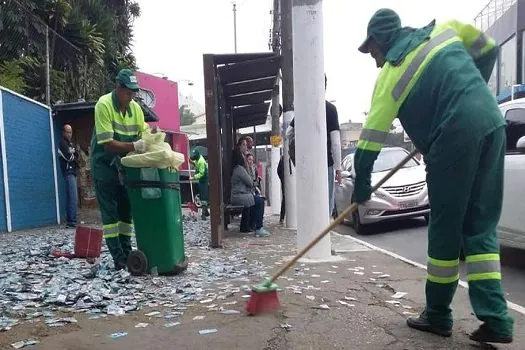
(403, 196)
(511, 227)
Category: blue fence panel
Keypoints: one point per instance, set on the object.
(3, 218)
(29, 163)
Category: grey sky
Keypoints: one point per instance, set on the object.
(171, 36)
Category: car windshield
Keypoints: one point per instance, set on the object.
(389, 158)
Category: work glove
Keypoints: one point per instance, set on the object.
(154, 129)
(139, 146)
(362, 191)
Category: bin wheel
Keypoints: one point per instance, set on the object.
(137, 263)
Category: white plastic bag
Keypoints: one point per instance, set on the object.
(158, 154)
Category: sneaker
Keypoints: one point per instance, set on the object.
(262, 233)
(71, 225)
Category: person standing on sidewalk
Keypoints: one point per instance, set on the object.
(434, 79)
(333, 136)
(201, 175)
(69, 164)
(119, 123)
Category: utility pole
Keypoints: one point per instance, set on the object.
(288, 110)
(48, 78)
(275, 140)
(309, 102)
(235, 26)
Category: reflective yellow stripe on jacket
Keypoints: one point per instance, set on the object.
(395, 83)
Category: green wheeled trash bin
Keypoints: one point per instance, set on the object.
(157, 216)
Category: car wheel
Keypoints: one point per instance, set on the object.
(427, 218)
(359, 228)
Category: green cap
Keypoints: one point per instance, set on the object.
(195, 154)
(126, 78)
(383, 27)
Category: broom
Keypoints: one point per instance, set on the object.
(264, 296)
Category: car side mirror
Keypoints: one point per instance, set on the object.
(520, 145)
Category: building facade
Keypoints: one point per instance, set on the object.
(504, 20)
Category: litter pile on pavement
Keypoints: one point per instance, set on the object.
(34, 285)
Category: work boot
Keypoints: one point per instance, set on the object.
(421, 323)
(485, 335)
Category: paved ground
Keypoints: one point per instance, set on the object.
(362, 313)
(408, 238)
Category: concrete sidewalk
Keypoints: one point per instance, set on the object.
(345, 304)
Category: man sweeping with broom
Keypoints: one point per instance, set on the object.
(434, 79)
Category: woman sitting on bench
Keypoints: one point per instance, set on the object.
(242, 194)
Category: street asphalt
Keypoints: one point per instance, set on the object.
(408, 238)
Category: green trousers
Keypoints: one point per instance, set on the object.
(115, 211)
(466, 192)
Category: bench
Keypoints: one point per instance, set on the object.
(229, 211)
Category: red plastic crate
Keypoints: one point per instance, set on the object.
(88, 242)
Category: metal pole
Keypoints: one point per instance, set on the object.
(48, 78)
(288, 110)
(309, 101)
(235, 26)
(275, 140)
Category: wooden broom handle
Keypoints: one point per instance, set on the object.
(342, 216)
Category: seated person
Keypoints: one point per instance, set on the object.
(252, 170)
(242, 194)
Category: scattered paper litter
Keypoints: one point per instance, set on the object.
(325, 281)
(153, 313)
(24, 343)
(407, 307)
(358, 273)
(118, 335)
(206, 301)
(141, 325)
(230, 303)
(399, 295)
(171, 324)
(350, 299)
(230, 312)
(342, 302)
(198, 318)
(316, 276)
(384, 276)
(286, 326)
(335, 267)
(310, 297)
(321, 307)
(393, 302)
(409, 313)
(208, 331)
(377, 273)
(246, 296)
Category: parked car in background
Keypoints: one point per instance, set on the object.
(511, 227)
(405, 195)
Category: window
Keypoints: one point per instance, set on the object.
(493, 81)
(389, 158)
(515, 119)
(507, 66)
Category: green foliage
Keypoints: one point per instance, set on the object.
(89, 42)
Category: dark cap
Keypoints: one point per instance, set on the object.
(381, 26)
(126, 78)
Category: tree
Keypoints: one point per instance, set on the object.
(89, 42)
(187, 117)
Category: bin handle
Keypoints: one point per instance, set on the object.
(153, 184)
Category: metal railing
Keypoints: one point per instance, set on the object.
(492, 12)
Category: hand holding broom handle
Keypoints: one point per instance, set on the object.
(340, 218)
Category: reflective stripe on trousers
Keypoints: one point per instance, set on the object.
(442, 271)
(483, 267)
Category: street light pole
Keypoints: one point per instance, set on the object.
(235, 26)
